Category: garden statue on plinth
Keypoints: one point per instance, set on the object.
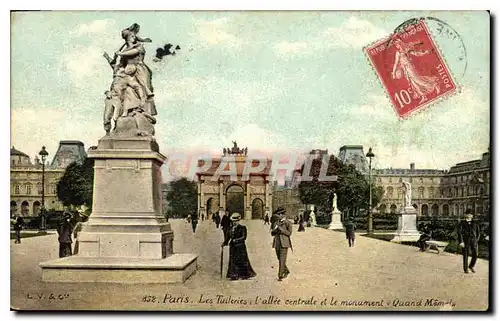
(407, 219)
(336, 222)
(312, 216)
(127, 239)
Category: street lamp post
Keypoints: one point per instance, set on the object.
(43, 153)
(370, 155)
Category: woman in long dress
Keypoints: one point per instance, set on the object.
(301, 224)
(403, 65)
(239, 265)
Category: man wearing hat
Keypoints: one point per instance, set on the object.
(282, 230)
(64, 230)
(468, 237)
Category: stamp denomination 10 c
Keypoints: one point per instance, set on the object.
(411, 68)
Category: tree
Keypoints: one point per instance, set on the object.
(182, 198)
(351, 187)
(76, 185)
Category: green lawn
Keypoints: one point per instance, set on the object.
(25, 235)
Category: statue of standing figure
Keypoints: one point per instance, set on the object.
(334, 202)
(131, 92)
(407, 194)
(312, 216)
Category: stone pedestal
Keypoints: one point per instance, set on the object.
(336, 223)
(127, 232)
(407, 226)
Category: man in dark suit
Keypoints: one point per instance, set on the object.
(468, 237)
(64, 230)
(282, 230)
(350, 228)
(225, 224)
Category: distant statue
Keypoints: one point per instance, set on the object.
(312, 216)
(224, 151)
(245, 151)
(407, 194)
(129, 102)
(334, 203)
(235, 150)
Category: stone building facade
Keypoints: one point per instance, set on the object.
(224, 186)
(438, 192)
(425, 185)
(26, 178)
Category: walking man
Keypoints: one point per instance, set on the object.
(64, 230)
(194, 221)
(18, 226)
(216, 219)
(350, 228)
(282, 231)
(468, 237)
(225, 224)
(266, 219)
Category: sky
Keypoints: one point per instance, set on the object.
(275, 82)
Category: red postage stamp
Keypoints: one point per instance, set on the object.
(411, 69)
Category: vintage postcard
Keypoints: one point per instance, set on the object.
(250, 160)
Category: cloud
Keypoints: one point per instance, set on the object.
(28, 135)
(354, 33)
(215, 32)
(286, 49)
(94, 27)
(84, 63)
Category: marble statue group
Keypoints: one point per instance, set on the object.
(129, 102)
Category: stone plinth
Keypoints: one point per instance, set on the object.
(407, 226)
(336, 223)
(173, 269)
(127, 224)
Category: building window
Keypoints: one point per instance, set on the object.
(431, 179)
(431, 192)
(39, 188)
(401, 180)
(390, 190)
(421, 192)
(390, 180)
(53, 189)
(28, 188)
(16, 189)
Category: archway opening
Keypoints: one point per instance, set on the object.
(435, 210)
(257, 209)
(36, 208)
(425, 210)
(393, 208)
(446, 210)
(235, 200)
(212, 207)
(25, 209)
(13, 208)
(382, 209)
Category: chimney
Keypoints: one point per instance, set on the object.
(412, 166)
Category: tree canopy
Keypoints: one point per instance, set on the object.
(182, 197)
(76, 185)
(351, 187)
